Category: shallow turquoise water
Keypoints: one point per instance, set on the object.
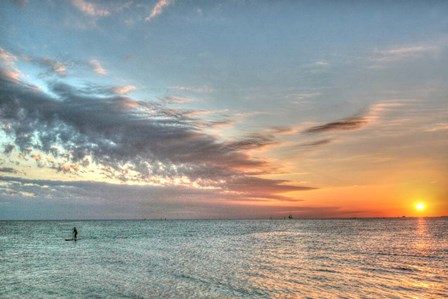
(359, 258)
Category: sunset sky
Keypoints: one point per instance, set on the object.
(223, 109)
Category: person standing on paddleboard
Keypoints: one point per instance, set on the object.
(75, 233)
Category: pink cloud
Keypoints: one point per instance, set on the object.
(6, 57)
(158, 8)
(90, 8)
(438, 127)
(97, 67)
(12, 75)
(401, 53)
(58, 67)
(123, 89)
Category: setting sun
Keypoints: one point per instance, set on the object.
(420, 206)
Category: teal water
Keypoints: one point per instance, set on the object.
(359, 258)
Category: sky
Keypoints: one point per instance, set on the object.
(223, 109)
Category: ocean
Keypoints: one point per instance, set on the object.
(310, 258)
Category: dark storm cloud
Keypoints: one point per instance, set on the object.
(346, 124)
(117, 131)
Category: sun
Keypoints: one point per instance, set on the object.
(420, 206)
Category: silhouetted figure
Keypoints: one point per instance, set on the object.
(75, 233)
(290, 216)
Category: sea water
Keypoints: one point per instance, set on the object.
(358, 258)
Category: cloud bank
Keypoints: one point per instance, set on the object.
(75, 130)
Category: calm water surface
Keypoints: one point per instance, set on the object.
(368, 258)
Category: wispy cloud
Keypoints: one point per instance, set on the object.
(158, 9)
(57, 67)
(123, 89)
(90, 9)
(11, 75)
(192, 89)
(316, 143)
(21, 3)
(402, 53)
(176, 100)
(97, 67)
(358, 121)
(322, 63)
(8, 66)
(53, 66)
(350, 123)
(9, 60)
(438, 127)
(6, 57)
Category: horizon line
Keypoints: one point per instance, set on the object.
(227, 219)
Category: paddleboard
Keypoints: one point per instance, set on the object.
(71, 239)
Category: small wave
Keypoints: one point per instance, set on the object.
(327, 270)
(405, 269)
(375, 270)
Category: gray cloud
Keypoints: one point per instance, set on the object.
(346, 124)
(121, 135)
(251, 141)
(52, 67)
(316, 143)
(21, 3)
(47, 199)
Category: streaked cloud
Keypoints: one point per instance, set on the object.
(97, 67)
(123, 89)
(11, 75)
(53, 66)
(322, 63)
(316, 143)
(354, 122)
(101, 200)
(8, 67)
(158, 9)
(176, 100)
(401, 53)
(9, 60)
(21, 3)
(345, 124)
(192, 89)
(438, 127)
(90, 9)
(6, 57)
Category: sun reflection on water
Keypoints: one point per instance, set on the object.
(422, 235)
